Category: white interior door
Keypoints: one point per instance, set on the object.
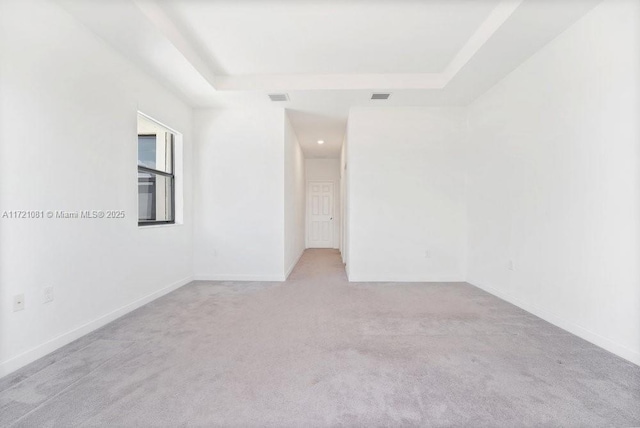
(320, 218)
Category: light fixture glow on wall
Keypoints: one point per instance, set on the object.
(320, 141)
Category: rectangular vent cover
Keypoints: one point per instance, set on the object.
(279, 97)
(380, 96)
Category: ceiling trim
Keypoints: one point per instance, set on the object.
(300, 82)
(161, 20)
(498, 16)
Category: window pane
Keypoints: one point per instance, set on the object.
(155, 197)
(155, 151)
(147, 151)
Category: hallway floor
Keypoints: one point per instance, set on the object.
(316, 351)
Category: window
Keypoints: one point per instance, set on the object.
(156, 175)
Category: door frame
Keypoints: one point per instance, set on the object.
(308, 212)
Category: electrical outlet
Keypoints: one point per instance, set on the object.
(427, 254)
(511, 265)
(48, 295)
(18, 302)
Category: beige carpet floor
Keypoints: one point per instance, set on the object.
(317, 350)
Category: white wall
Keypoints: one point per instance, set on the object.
(294, 198)
(344, 203)
(239, 194)
(327, 170)
(68, 141)
(406, 194)
(554, 181)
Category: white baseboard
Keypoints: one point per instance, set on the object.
(21, 360)
(293, 265)
(559, 321)
(404, 278)
(236, 277)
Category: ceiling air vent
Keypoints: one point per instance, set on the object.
(279, 97)
(380, 96)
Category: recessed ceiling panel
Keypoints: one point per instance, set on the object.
(242, 37)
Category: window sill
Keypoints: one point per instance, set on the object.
(157, 226)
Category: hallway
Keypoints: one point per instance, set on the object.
(317, 350)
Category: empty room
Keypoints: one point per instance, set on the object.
(248, 213)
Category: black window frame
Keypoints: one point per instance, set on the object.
(171, 176)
